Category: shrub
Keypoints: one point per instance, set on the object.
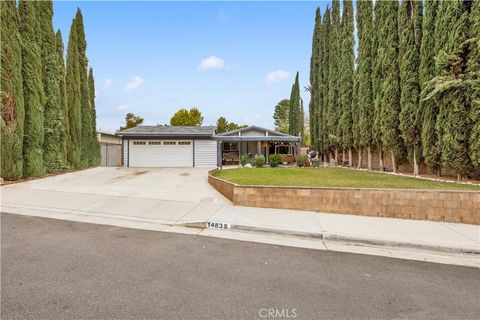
(315, 163)
(244, 159)
(259, 160)
(301, 160)
(274, 160)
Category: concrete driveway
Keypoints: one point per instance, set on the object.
(175, 184)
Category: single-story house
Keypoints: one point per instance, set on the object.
(199, 146)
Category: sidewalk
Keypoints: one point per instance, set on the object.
(408, 239)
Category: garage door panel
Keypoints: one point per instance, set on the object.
(205, 153)
(161, 155)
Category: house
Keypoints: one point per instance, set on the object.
(254, 140)
(199, 146)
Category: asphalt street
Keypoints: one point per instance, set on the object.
(67, 270)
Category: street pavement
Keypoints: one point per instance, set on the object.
(68, 270)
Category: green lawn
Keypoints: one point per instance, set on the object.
(332, 177)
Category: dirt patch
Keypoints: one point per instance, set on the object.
(184, 174)
(137, 173)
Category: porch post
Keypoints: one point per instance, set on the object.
(239, 151)
(267, 152)
(259, 147)
(219, 154)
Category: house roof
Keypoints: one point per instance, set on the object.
(267, 135)
(250, 128)
(169, 131)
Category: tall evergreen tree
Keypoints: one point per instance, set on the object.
(12, 103)
(346, 70)
(390, 86)
(474, 87)
(333, 93)
(295, 109)
(377, 78)
(95, 149)
(33, 90)
(53, 155)
(314, 108)
(365, 73)
(72, 80)
(410, 34)
(449, 87)
(356, 133)
(324, 79)
(63, 102)
(86, 110)
(430, 147)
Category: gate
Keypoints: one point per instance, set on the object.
(111, 155)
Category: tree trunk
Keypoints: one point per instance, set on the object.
(350, 160)
(394, 164)
(360, 154)
(369, 157)
(343, 158)
(415, 164)
(381, 160)
(459, 177)
(336, 156)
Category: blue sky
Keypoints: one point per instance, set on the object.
(232, 59)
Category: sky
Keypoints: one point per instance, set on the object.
(231, 59)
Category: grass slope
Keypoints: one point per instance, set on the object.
(332, 177)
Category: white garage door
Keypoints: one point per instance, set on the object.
(205, 153)
(161, 153)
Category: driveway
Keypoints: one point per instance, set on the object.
(176, 184)
(160, 195)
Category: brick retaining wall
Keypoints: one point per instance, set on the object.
(436, 205)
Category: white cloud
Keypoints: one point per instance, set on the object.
(122, 107)
(136, 82)
(108, 83)
(211, 63)
(277, 76)
(222, 16)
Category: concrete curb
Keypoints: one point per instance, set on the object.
(344, 239)
(322, 236)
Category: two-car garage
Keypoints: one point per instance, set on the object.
(167, 146)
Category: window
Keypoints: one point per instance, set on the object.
(230, 146)
(155, 142)
(139, 142)
(169, 143)
(183, 143)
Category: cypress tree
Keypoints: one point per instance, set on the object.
(33, 90)
(449, 87)
(430, 147)
(53, 155)
(324, 74)
(365, 73)
(314, 111)
(63, 103)
(474, 78)
(346, 70)
(72, 80)
(356, 119)
(390, 86)
(377, 78)
(295, 109)
(95, 150)
(86, 126)
(409, 29)
(12, 103)
(333, 94)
